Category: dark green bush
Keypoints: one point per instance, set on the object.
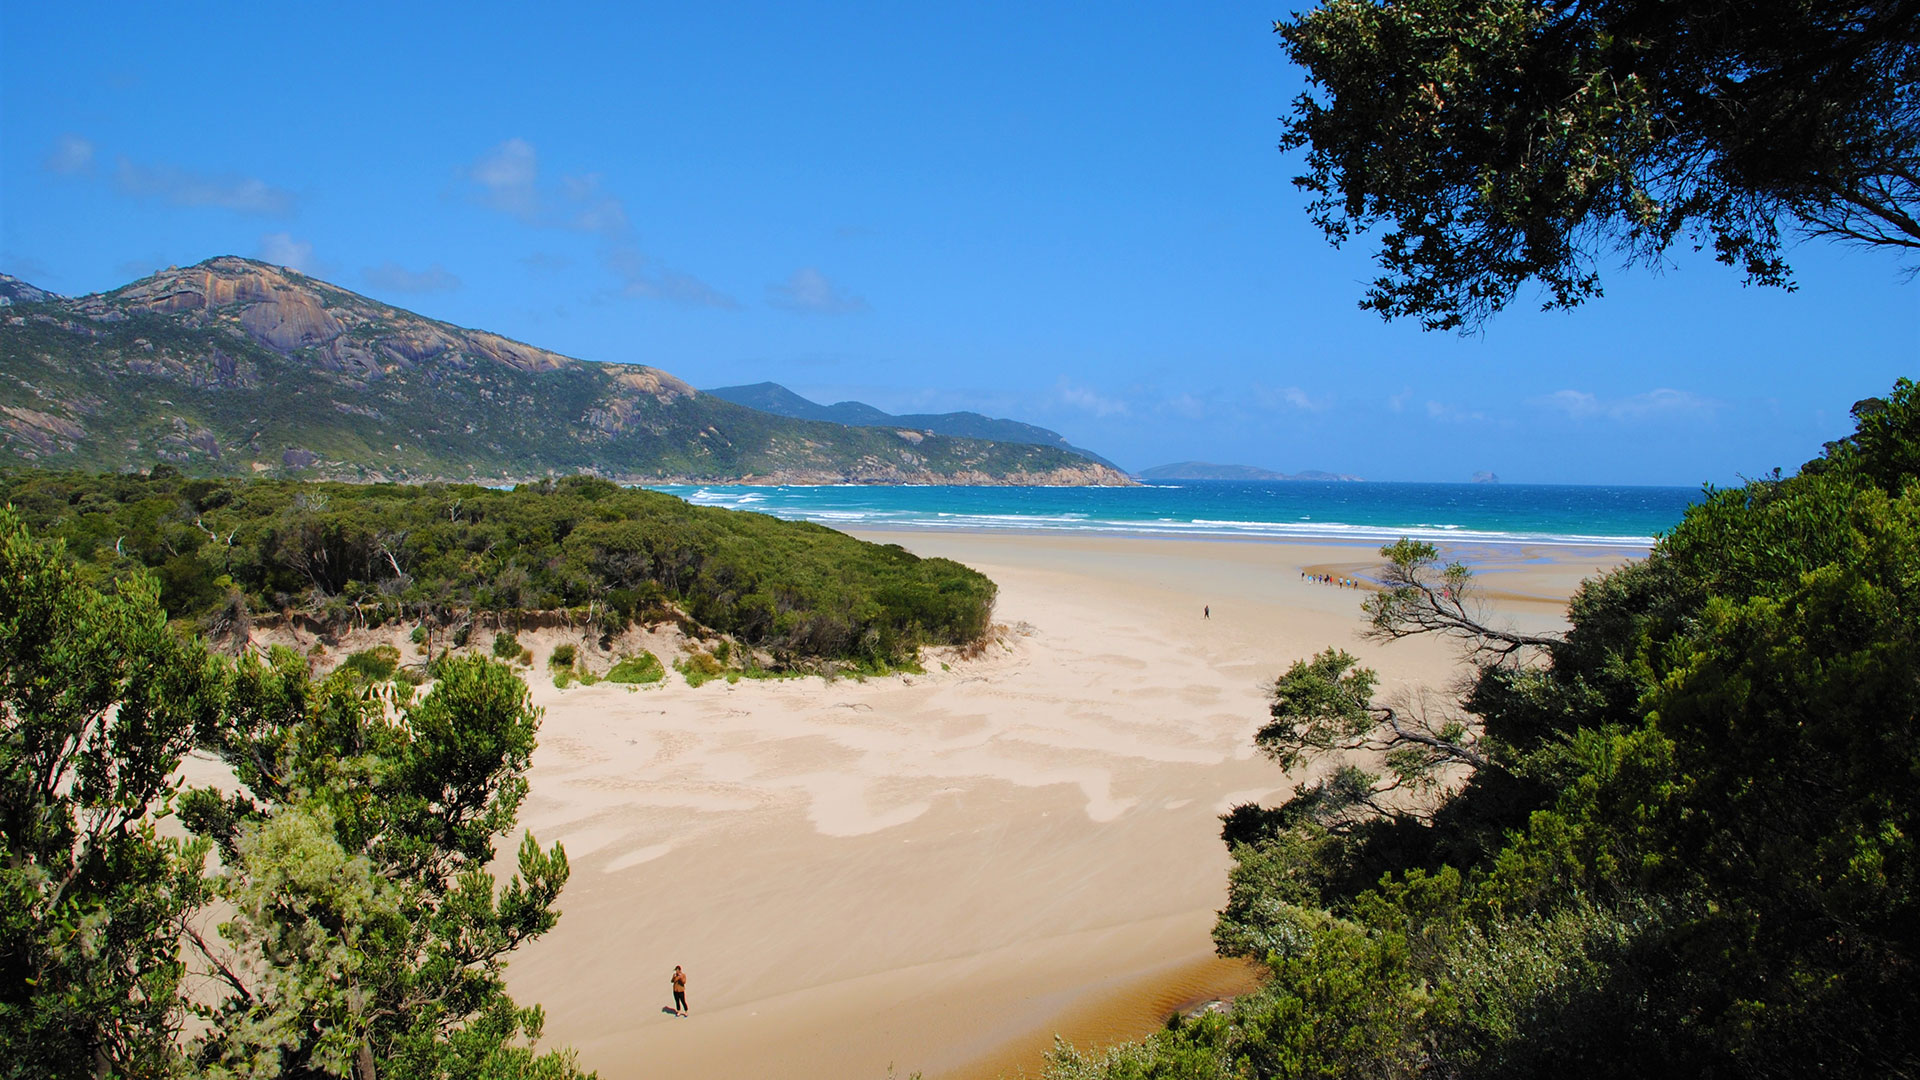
(792, 591)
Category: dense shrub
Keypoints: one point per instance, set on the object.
(437, 553)
(1688, 838)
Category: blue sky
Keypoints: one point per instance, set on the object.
(1065, 214)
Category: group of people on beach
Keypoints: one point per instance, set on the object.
(1331, 579)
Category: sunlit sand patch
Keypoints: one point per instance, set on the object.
(1094, 782)
(1114, 744)
(838, 805)
(810, 752)
(1025, 835)
(635, 858)
(668, 795)
(1251, 795)
(581, 842)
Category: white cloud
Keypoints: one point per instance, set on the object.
(1398, 402)
(587, 208)
(808, 290)
(507, 175)
(642, 276)
(71, 155)
(1087, 399)
(1453, 414)
(1289, 397)
(393, 277)
(1581, 405)
(507, 178)
(1187, 407)
(281, 249)
(178, 187)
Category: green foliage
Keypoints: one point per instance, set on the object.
(1317, 705)
(366, 929)
(644, 668)
(699, 668)
(363, 932)
(1688, 847)
(562, 657)
(1525, 140)
(438, 554)
(99, 702)
(373, 665)
(506, 646)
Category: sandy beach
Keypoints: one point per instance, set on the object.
(939, 872)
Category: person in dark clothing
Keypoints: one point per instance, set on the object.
(679, 991)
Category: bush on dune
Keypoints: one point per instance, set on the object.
(435, 554)
(1687, 840)
(640, 669)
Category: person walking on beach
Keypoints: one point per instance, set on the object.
(1206, 611)
(679, 991)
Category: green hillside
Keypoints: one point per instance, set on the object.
(773, 398)
(233, 367)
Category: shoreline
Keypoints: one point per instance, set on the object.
(938, 872)
(1311, 512)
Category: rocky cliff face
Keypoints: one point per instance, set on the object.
(236, 366)
(291, 313)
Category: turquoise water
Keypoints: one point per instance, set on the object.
(1365, 512)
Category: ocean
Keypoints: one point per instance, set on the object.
(1359, 512)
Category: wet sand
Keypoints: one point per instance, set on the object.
(937, 873)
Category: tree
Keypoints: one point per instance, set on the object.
(364, 934)
(1688, 848)
(1524, 140)
(368, 937)
(99, 702)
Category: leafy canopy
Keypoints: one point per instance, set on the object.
(1503, 142)
(350, 926)
(99, 701)
(228, 551)
(1687, 842)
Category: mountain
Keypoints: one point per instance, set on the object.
(774, 398)
(1206, 470)
(237, 367)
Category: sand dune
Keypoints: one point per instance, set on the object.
(938, 872)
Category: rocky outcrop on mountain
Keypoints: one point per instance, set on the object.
(235, 366)
(287, 311)
(13, 290)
